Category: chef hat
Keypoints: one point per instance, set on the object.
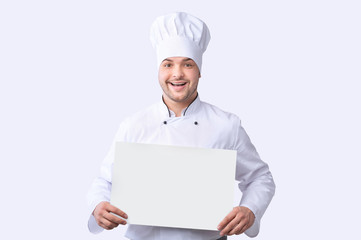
(179, 35)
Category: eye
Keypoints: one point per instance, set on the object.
(167, 65)
(188, 65)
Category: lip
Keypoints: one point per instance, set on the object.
(177, 87)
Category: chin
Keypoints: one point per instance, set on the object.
(178, 100)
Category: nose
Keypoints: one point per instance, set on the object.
(178, 72)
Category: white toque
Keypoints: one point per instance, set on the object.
(179, 35)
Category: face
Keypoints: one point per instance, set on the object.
(178, 77)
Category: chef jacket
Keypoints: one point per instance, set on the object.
(200, 125)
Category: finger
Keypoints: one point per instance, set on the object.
(117, 211)
(226, 220)
(230, 226)
(244, 228)
(106, 224)
(236, 230)
(248, 221)
(114, 219)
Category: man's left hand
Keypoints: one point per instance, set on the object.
(237, 221)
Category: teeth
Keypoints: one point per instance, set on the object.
(178, 84)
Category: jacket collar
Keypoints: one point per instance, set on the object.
(192, 108)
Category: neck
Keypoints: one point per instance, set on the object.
(178, 107)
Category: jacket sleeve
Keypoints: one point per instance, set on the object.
(100, 189)
(255, 179)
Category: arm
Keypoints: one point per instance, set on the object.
(100, 210)
(257, 186)
(100, 190)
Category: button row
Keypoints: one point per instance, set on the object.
(195, 123)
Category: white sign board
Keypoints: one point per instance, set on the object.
(172, 186)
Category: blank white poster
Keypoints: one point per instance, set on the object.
(173, 186)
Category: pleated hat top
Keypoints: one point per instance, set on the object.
(179, 35)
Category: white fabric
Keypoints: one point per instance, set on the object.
(214, 129)
(179, 35)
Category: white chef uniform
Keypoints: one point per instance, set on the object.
(201, 125)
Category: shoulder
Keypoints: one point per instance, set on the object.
(218, 114)
(138, 122)
(224, 125)
(142, 115)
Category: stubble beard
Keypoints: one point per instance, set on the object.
(186, 97)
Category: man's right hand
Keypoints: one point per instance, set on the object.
(103, 214)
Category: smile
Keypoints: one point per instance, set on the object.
(178, 84)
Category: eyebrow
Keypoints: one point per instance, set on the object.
(185, 60)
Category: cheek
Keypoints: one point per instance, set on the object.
(162, 76)
(161, 79)
(195, 77)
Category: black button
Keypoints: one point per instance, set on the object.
(195, 123)
(165, 122)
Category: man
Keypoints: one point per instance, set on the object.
(182, 119)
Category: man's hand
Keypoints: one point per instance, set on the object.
(237, 221)
(103, 214)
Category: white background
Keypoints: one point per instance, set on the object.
(70, 72)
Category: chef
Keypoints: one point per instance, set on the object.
(180, 118)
